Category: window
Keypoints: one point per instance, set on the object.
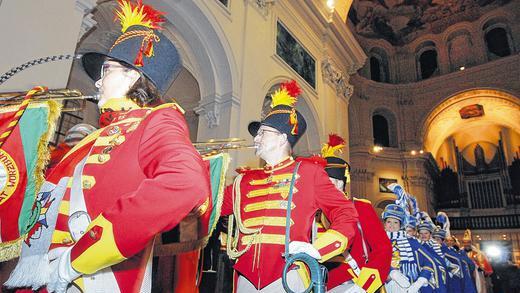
(375, 69)
(295, 55)
(380, 130)
(378, 63)
(497, 43)
(225, 2)
(428, 63)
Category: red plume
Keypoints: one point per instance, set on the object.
(335, 140)
(292, 88)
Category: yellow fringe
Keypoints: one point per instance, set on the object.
(220, 195)
(10, 250)
(43, 149)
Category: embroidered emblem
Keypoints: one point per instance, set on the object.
(38, 219)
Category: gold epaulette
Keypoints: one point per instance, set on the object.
(170, 105)
(246, 169)
(362, 200)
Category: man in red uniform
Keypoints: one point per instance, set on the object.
(365, 267)
(98, 212)
(258, 202)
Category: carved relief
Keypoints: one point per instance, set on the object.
(263, 5)
(88, 22)
(211, 112)
(337, 78)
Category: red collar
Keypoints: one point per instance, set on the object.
(285, 163)
(110, 117)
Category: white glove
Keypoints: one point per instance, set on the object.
(304, 247)
(400, 279)
(63, 274)
(355, 289)
(417, 285)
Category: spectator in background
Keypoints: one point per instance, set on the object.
(73, 136)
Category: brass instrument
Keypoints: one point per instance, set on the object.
(214, 146)
(14, 98)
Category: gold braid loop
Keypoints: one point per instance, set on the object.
(146, 34)
(232, 243)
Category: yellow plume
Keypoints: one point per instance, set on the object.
(282, 97)
(137, 14)
(330, 151)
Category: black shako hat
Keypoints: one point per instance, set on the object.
(140, 46)
(283, 115)
(336, 168)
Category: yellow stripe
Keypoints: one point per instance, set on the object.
(5, 134)
(274, 178)
(13, 123)
(98, 159)
(268, 205)
(87, 181)
(264, 239)
(109, 140)
(266, 221)
(284, 191)
(94, 135)
(64, 207)
(61, 237)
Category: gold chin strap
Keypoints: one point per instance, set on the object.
(118, 104)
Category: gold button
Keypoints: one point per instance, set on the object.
(87, 184)
(66, 241)
(118, 140)
(107, 150)
(102, 158)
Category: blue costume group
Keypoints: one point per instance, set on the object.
(426, 263)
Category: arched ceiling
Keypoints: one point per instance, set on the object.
(500, 110)
(400, 22)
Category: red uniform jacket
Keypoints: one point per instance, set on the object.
(375, 265)
(263, 203)
(142, 177)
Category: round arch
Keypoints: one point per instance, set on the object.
(392, 123)
(499, 108)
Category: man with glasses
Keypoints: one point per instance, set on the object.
(258, 200)
(137, 176)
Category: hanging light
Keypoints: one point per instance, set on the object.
(331, 4)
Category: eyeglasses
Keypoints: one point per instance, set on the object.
(262, 131)
(106, 66)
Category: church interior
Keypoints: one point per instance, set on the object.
(426, 94)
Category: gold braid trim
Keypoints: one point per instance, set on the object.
(232, 243)
(278, 112)
(147, 36)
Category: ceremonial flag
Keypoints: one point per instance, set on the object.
(25, 130)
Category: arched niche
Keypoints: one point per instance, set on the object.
(209, 67)
(426, 59)
(460, 47)
(490, 111)
(391, 123)
(498, 39)
(378, 65)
